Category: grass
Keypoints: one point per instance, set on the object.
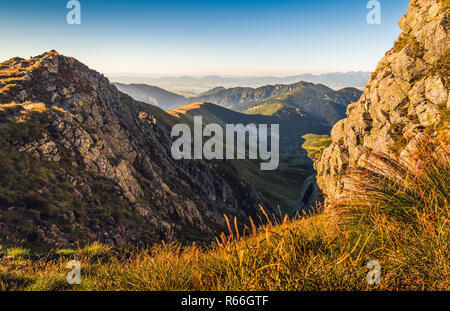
(398, 215)
(277, 184)
(406, 208)
(267, 110)
(15, 252)
(315, 145)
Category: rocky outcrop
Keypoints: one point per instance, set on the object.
(110, 154)
(310, 195)
(407, 96)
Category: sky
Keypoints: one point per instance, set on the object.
(200, 37)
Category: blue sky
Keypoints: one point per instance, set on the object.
(199, 37)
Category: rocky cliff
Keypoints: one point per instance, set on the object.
(82, 161)
(406, 98)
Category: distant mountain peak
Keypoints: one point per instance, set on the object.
(152, 95)
(213, 91)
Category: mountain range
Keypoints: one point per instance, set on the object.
(318, 100)
(336, 80)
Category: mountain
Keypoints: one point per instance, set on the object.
(213, 91)
(336, 80)
(152, 95)
(319, 100)
(82, 161)
(405, 102)
(234, 97)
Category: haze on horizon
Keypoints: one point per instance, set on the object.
(205, 37)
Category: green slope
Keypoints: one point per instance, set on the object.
(315, 145)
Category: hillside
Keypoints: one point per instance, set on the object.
(318, 100)
(213, 91)
(402, 229)
(278, 109)
(83, 162)
(152, 95)
(212, 113)
(234, 97)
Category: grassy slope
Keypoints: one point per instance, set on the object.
(398, 216)
(266, 110)
(315, 145)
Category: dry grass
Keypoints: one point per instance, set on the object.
(398, 216)
(406, 207)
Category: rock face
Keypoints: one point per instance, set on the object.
(310, 195)
(116, 179)
(408, 95)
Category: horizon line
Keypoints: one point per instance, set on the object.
(160, 75)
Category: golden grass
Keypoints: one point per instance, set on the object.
(185, 109)
(315, 145)
(34, 107)
(398, 216)
(27, 106)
